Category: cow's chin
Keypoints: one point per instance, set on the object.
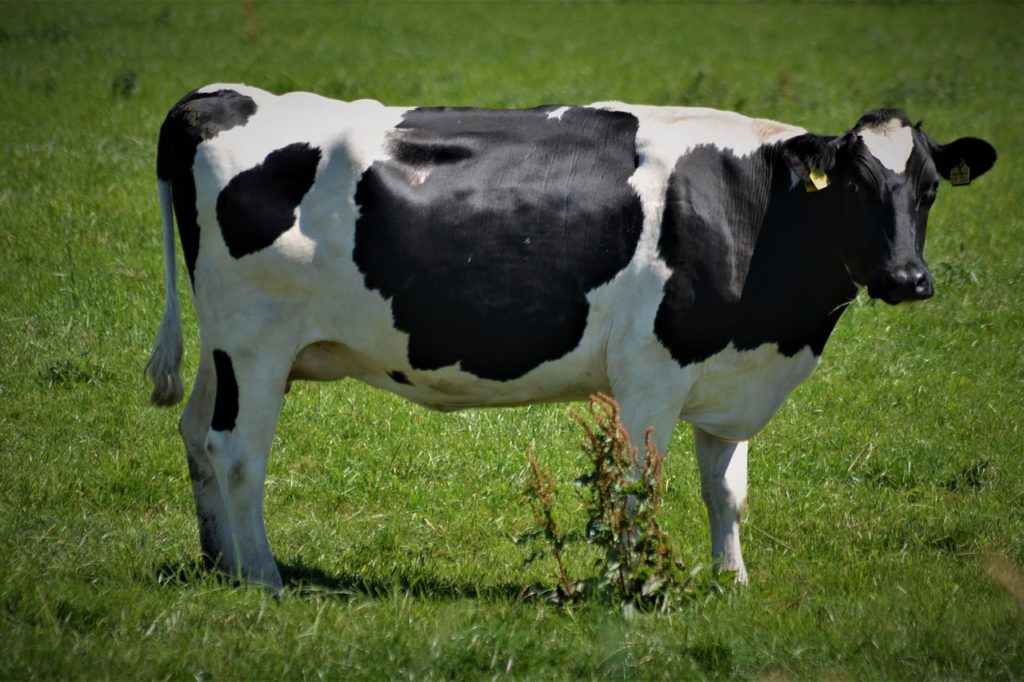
(881, 293)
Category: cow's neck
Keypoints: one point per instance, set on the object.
(798, 246)
(754, 261)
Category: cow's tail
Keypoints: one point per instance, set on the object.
(164, 366)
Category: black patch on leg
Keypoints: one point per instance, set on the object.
(258, 205)
(198, 116)
(487, 229)
(225, 406)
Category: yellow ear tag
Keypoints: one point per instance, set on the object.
(960, 174)
(819, 180)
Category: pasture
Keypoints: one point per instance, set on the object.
(883, 495)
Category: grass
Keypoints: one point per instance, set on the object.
(877, 492)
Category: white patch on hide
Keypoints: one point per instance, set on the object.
(891, 143)
(557, 113)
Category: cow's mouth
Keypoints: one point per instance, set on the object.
(895, 291)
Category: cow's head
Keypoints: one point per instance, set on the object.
(879, 181)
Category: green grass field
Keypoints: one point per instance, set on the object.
(880, 493)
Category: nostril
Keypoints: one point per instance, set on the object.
(922, 284)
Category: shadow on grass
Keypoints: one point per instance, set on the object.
(309, 580)
(187, 573)
(304, 580)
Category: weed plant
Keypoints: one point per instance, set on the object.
(622, 495)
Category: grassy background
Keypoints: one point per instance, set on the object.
(878, 493)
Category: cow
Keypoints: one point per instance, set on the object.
(690, 262)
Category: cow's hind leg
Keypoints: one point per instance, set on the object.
(723, 482)
(211, 515)
(248, 400)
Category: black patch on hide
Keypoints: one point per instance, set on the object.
(486, 230)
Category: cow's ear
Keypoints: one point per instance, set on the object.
(963, 160)
(809, 155)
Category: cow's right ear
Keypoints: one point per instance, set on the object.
(810, 156)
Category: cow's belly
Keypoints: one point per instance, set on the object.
(349, 330)
(735, 393)
(573, 377)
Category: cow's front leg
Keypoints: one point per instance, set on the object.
(247, 405)
(640, 415)
(723, 483)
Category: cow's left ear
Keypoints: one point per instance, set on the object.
(963, 160)
(809, 154)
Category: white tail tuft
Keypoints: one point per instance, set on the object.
(164, 366)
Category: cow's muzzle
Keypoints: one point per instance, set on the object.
(904, 284)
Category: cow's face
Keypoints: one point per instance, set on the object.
(883, 176)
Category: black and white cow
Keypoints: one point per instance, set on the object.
(690, 262)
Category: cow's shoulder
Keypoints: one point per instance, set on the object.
(738, 246)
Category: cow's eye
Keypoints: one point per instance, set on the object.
(927, 198)
(853, 186)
